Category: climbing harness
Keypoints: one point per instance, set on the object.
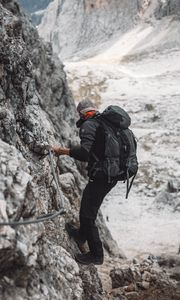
(49, 216)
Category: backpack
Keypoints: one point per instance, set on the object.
(120, 159)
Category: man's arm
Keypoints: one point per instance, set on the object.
(60, 151)
(77, 152)
(80, 152)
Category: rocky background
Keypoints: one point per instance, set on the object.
(86, 24)
(83, 28)
(37, 109)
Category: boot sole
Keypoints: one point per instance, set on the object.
(84, 263)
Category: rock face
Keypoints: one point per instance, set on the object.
(36, 109)
(166, 8)
(144, 280)
(82, 28)
(72, 26)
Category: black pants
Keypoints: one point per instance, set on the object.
(92, 198)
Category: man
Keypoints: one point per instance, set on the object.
(91, 150)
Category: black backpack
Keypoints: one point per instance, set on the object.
(120, 160)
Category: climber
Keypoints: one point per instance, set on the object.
(90, 150)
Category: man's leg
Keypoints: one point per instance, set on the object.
(92, 199)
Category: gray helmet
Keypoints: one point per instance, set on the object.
(86, 105)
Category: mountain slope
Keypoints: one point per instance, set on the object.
(72, 26)
(81, 28)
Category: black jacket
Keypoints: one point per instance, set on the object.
(92, 143)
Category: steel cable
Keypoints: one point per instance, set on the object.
(48, 216)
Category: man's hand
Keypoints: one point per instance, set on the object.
(60, 151)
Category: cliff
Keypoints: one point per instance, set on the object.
(74, 26)
(37, 109)
(83, 28)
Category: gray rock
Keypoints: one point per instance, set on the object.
(169, 197)
(146, 276)
(169, 260)
(144, 285)
(72, 31)
(173, 186)
(36, 109)
(132, 296)
(121, 277)
(166, 8)
(89, 277)
(74, 22)
(149, 285)
(175, 273)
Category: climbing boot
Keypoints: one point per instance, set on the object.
(73, 232)
(88, 258)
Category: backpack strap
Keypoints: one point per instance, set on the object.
(128, 186)
(97, 118)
